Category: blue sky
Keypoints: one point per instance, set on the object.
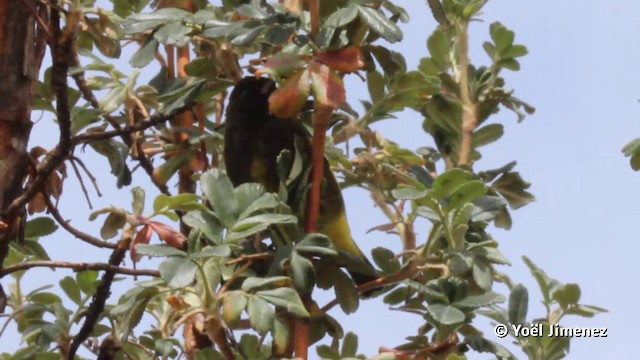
(581, 75)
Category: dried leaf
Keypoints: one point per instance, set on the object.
(348, 59)
(289, 99)
(168, 234)
(327, 86)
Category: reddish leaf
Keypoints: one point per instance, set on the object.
(346, 60)
(327, 86)
(168, 234)
(37, 204)
(289, 99)
(282, 64)
(142, 237)
(177, 302)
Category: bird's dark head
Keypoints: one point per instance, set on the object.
(252, 93)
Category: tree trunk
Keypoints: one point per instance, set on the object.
(20, 56)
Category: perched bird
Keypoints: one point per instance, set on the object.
(253, 140)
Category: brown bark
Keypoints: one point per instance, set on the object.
(19, 73)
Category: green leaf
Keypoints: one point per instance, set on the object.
(257, 283)
(45, 298)
(87, 281)
(326, 352)
(286, 298)
(396, 296)
(460, 263)
(448, 181)
(375, 84)
(177, 271)
(407, 193)
(349, 345)
(513, 188)
(250, 347)
(173, 34)
(114, 222)
(316, 244)
(212, 251)
(253, 199)
(252, 10)
(482, 274)
(202, 67)
(391, 62)
(205, 222)
(464, 194)
(71, 289)
(139, 23)
(137, 204)
(233, 304)
(303, 273)
(184, 201)
(345, 290)
(255, 224)
(33, 248)
(492, 254)
(501, 36)
(568, 294)
(248, 36)
(428, 213)
(432, 295)
(386, 260)
(547, 285)
(164, 172)
(342, 17)
(482, 300)
(439, 45)
(115, 153)
(219, 190)
(145, 54)
(380, 24)
(632, 150)
(158, 250)
(515, 51)
(487, 134)
(486, 208)
(445, 314)
(585, 310)
(164, 347)
(261, 315)
(518, 304)
(39, 227)
(280, 333)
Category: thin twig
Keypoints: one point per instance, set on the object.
(150, 121)
(236, 274)
(407, 272)
(84, 188)
(89, 174)
(250, 257)
(77, 266)
(53, 210)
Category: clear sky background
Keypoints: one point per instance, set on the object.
(582, 76)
